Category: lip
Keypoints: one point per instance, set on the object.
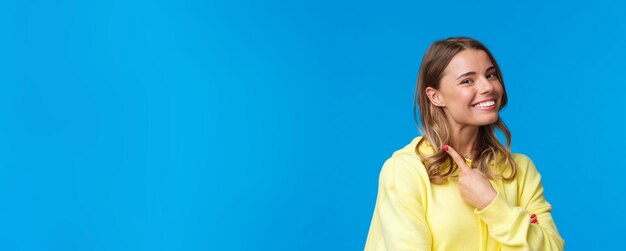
(486, 108)
(484, 100)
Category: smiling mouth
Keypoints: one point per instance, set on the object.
(487, 105)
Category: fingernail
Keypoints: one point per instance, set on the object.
(445, 148)
(533, 216)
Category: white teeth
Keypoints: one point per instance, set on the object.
(483, 104)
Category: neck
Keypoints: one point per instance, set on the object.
(463, 139)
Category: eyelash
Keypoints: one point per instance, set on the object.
(490, 75)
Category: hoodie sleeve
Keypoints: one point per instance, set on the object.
(399, 212)
(510, 225)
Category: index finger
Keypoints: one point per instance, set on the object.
(460, 161)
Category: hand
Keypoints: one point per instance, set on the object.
(473, 184)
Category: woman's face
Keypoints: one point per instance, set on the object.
(470, 91)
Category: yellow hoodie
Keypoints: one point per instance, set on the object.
(413, 214)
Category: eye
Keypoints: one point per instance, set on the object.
(492, 75)
(467, 81)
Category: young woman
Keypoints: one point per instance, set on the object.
(457, 187)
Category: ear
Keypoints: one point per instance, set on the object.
(435, 96)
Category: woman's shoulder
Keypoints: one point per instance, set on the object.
(407, 152)
(407, 157)
(521, 158)
(525, 165)
(403, 170)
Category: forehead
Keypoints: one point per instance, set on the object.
(466, 61)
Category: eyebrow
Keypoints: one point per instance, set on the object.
(473, 72)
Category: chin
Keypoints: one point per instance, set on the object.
(490, 120)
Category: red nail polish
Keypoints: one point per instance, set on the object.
(445, 148)
(534, 221)
(533, 216)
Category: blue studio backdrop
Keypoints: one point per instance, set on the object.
(263, 125)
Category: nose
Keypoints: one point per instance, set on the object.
(485, 86)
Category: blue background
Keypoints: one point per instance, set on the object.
(262, 125)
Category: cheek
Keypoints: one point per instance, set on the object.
(498, 88)
(464, 98)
